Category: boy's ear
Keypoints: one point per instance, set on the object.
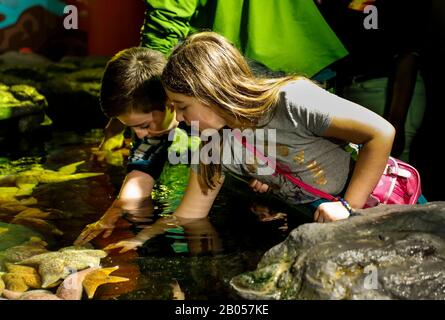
(170, 106)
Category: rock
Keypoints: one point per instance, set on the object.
(24, 251)
(22, 109)
(86, 62)
(33, 76)
(387, 252)
(70, 86)
(15, 235)
(25, 181)
(27, 93)
(19, 59)
(74, 99)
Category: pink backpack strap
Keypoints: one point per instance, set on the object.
(278, 168)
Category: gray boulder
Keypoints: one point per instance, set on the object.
(387, 252)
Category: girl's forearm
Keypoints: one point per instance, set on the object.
(370, 165)
(162, 225)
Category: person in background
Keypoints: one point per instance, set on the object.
(382, 71)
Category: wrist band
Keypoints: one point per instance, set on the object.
(345, 204)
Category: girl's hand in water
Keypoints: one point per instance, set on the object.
(330, 211)
(126, 245)
(106, 224)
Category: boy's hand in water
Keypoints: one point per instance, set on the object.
(330, 211)
(106, 224)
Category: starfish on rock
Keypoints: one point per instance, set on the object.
(54, 266)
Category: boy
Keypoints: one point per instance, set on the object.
(132, 93)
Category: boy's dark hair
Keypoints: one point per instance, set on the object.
(131, 82)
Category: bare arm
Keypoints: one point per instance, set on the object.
(194, 205)
(357, 124)
(135, 189)
(137, 185)
(352, 123)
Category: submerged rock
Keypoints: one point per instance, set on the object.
(14, 235)
(24, 182)
(387, 252)
(24, 251)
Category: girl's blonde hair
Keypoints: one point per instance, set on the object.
(206, 66)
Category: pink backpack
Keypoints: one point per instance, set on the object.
(399, 183)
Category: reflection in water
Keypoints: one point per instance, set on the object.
(195, 237)
(195, 261)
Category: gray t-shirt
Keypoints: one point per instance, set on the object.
(302, 116)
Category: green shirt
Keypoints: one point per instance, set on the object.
(285, 35)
